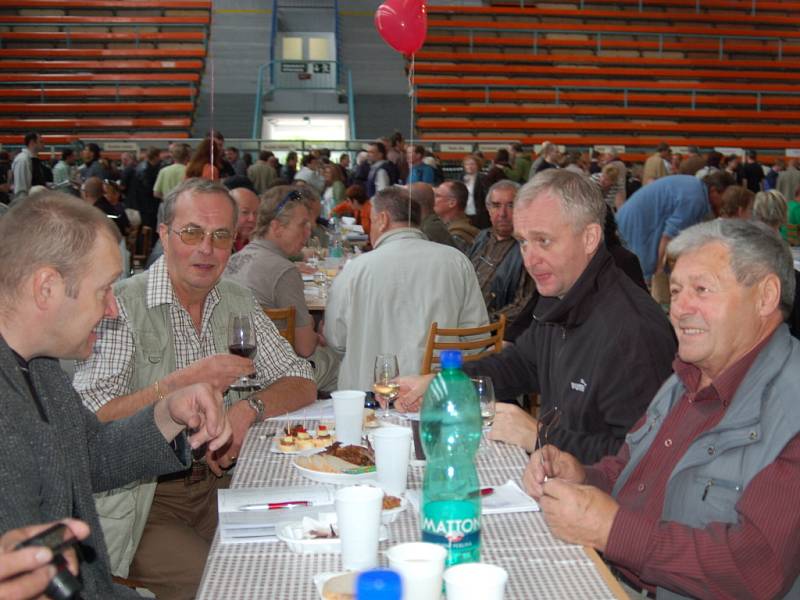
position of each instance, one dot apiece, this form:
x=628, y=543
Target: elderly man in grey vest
x=701, y=500
x=171, y=331
x=60, y=258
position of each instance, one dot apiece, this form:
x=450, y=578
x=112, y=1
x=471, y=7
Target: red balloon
x=403, y=24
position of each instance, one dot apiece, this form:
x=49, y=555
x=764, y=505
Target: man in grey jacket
x=701, y=500
x=60, y=258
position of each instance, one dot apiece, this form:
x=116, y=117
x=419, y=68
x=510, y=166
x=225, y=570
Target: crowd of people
x=651, y=308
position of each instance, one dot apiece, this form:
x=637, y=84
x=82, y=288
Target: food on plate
x=304, y=443
x=286, y=444
x=390, y=502
x=340, y=587
x=293, y=430
x=356, y=455
x=370, y=419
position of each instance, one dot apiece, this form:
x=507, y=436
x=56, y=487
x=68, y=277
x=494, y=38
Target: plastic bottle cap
x=379, y=584
x=451, y=359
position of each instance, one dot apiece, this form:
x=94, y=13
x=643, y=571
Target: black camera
x=64, y=584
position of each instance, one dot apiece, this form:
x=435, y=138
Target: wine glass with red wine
x=242, y=342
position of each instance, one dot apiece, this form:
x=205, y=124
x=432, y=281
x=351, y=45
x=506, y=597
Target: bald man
x=248, y=203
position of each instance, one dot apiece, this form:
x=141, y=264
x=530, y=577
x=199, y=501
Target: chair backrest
x=793, y=234
x=485, y=340
x=287, y=316
x=145, y=244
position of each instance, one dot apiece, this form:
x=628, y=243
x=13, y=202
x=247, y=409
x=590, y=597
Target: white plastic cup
x=475, y=580
x=358, y=515
x=348, y=412
x=421, y=566
x=392, y=453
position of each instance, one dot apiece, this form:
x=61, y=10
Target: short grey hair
x=770, y=207
x=397, y=202
x=49, y=229
x=196, y=185
x=580, y=198
x=503, y=184
x=755, y=252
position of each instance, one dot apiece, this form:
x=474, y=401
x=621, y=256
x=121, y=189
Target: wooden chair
x=286, y=315
x=793, y=234
x=146, y=235
x=490, y=342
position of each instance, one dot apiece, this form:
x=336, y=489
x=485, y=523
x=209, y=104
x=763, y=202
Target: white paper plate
x=333, y=478
x=287, y=532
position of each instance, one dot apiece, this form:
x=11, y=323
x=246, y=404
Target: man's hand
x=218, y=370
x=305, y=267
x=513, y=425
x=552, y=463
x=198, y=408
x=26, y=573
x=240, y=416
x=412, y=389
x=578, y=514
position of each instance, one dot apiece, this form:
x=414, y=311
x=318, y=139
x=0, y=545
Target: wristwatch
x=257, y=405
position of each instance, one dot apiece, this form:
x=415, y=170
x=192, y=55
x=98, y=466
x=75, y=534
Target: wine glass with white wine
x=485, y=390
x=385, y=389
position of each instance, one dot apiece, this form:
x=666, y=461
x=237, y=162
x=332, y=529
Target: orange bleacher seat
x=50, y=139
x=108, y=4
x=101, y=53
x=126, y=21
x=93, y=77
x=95, y=107
x=610, y=83
x=759, y=18
x=605, y=112
x=577, y=59
x=570, y=96
x=702, y=30
x=606, y=71
x=741, y=5
x=593, y=125
x=92, y=91
x=26, y=66
x=166, y=35
x=89, y=123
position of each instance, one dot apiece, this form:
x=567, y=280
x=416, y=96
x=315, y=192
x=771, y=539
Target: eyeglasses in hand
x=548, y=421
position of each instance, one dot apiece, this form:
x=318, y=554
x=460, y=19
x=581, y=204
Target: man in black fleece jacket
x=598, y=347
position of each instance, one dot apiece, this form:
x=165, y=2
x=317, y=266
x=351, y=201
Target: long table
x=539, y=566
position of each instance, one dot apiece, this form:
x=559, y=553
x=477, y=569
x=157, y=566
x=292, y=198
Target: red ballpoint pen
x=275, y=505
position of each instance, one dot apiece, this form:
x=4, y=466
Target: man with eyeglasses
x=496, y=257
x=172, y=331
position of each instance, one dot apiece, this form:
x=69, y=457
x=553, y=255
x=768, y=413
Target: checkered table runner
x=539, y=566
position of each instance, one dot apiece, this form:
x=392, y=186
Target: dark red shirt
x=758, y=557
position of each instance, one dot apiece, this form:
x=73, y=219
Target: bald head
x=92, y=190
x=248, y=202
x=422, y=194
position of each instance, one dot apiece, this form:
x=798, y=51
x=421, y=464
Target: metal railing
x=296, y=75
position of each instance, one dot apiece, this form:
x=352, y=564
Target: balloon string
x=412, y=98
x=211, y=117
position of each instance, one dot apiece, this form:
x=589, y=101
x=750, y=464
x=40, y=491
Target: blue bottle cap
x=379, y=584
x=451, y=359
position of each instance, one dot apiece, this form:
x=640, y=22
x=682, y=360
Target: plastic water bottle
x=450, y=427
x=335, y=247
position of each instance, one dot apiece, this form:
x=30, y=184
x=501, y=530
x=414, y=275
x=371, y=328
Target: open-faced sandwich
x=340, y=459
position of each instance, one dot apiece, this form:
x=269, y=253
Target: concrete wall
x=240, y=43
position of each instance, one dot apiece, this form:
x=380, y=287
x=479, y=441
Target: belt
x=195, y=474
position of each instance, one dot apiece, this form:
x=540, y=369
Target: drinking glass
x=242, y=342
x=385, y=389
x=485, y=390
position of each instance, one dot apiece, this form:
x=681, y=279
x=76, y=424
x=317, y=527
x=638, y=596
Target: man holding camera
x=60, y=258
